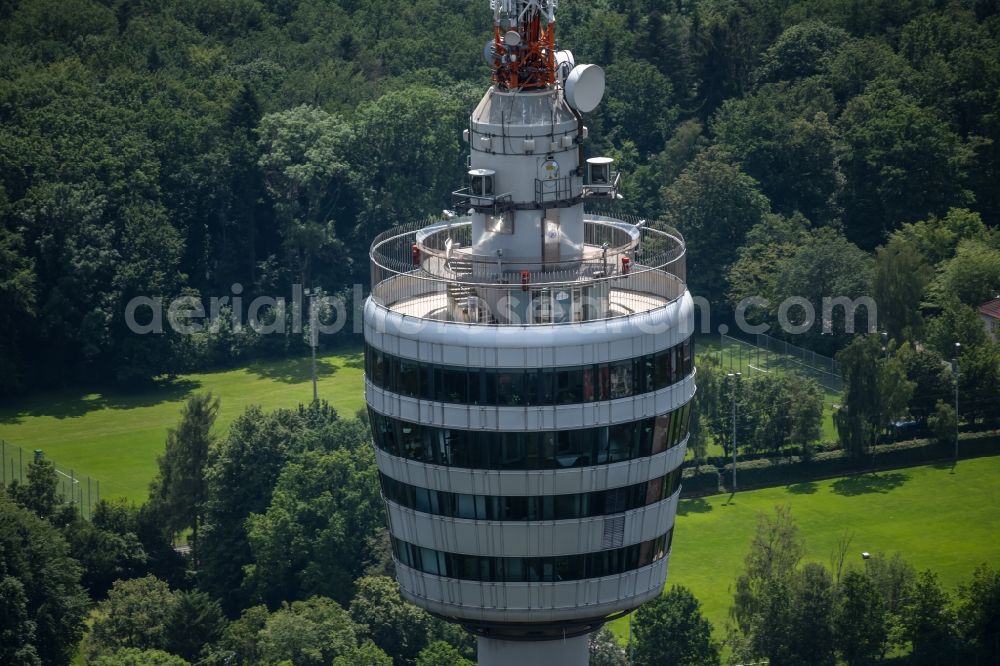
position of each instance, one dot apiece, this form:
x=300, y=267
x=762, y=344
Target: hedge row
x=762, y=473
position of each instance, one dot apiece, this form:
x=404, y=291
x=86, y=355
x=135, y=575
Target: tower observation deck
x=529, y=373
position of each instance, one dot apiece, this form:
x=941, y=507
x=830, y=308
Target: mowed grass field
x=938, y=518
x=115, y=437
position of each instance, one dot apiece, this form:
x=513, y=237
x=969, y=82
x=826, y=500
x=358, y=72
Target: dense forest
x=179, y=147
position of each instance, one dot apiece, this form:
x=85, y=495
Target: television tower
x=529, y=373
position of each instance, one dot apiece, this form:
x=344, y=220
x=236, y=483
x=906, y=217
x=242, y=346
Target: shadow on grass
x=865, y=484
x=355, y=361
x=693, y=505
x=292, y=370
x=73, y=403
x=804, y=488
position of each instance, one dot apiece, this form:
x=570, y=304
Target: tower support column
x=562, y=652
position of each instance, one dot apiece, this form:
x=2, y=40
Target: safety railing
x=556, y=191
x=624, y=269
x=495, y=204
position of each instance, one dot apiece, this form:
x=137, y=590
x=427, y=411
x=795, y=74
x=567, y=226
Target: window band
x=531, y=508
x=532, y=569
x=535, y=450
x=529, y=387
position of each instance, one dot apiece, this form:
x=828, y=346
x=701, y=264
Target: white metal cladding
x=530, y=419
x=532, y=602
x=561, y=345
x=534, y=482
x=524, y=538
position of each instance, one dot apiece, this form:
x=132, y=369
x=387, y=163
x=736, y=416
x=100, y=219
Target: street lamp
x=735, y=377
x=313, y=335
x=958, y=350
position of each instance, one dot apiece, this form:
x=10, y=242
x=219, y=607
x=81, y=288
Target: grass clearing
x=937, y=518
x=116, y=437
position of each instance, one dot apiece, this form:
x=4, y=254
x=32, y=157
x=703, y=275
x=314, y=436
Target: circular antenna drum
x=585, y=87
x=511, y=38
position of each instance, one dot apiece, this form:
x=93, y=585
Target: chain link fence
x=80, y=489
x=768, y=354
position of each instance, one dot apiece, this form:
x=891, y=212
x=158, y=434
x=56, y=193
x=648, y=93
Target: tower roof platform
x=433, y=272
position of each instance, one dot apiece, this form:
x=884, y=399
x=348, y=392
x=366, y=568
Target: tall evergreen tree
x=179, y=489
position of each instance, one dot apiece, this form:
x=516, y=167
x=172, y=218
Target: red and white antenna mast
x=523, y=52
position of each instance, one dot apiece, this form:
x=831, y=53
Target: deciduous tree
x=605, y=649
x=979, y=609
x=313, y=632
x=859, y=620
x=135, y=615
x=928, y=621
x=440, y=653
x=714, y=204
x=877, y=394
x=901, y=274
x=40, y=587
x=671, y=629
x=312, y=538
x=395, y=625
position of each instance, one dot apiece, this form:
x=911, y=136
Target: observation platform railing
x=633, y=268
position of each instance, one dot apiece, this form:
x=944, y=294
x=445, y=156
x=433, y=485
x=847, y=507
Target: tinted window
x=534, y=508
x=621, y=378
x=510, y=388
x=535, y=569
x=544, y=386
x=479, y=449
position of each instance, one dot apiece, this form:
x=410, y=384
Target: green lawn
x=115, y=437
x=936, y=518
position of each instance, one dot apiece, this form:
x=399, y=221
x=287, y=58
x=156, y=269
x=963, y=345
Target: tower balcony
x=434, y=273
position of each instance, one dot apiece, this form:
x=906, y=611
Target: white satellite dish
x=511, y=38
x=585, y=87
